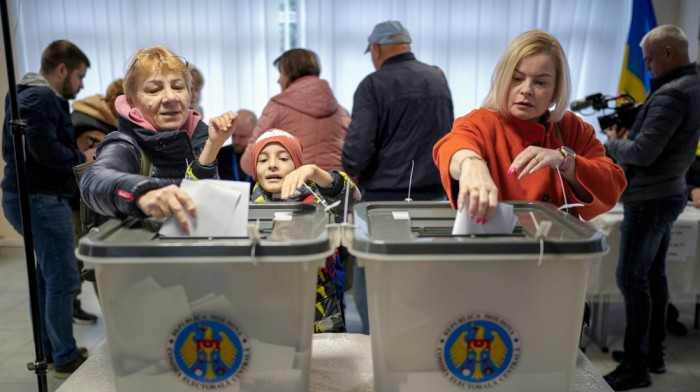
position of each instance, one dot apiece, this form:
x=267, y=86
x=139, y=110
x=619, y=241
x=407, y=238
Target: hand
x=613, y=133
x=222, y=127
x=623, y=133
x=164, y=202
x=695, y=195
x=296, y=179
x=90, y=154
x=532, y=159
x=476, y=183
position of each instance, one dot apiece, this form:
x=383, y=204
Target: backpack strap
x=146, y=164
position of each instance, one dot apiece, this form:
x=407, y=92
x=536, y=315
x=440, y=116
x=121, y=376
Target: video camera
x=623, y=115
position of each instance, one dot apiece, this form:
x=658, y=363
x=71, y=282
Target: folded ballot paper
x=140, y=358
x=502, y=222
x=222, y=210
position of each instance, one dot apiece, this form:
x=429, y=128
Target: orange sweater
x=500, y=140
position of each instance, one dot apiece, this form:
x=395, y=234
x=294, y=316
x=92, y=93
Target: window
x=289, y=17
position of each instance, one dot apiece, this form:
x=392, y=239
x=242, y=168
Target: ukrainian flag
x=635, y=79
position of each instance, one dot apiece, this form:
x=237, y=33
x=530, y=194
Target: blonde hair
x=145, y=60
x=197, y=78
x=527, y=44
x=115, y=89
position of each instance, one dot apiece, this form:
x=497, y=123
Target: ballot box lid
x=415, y=229
x=281, y=231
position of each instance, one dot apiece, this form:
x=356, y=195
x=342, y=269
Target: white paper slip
x=400, y=215
x=502, y=222
x=266, y=357
x=222, y=210
x=283, y=216
x=154, y=312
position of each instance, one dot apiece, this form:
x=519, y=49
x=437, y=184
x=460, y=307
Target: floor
x=682, y=352
x=16, y=344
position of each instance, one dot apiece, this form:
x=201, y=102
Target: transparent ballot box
x=468, y=312
x=232, y=314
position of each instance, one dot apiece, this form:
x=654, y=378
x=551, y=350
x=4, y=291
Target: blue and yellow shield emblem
x=208, y=350
x=478, y=349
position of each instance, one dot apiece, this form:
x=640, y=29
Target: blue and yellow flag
x=635, y=79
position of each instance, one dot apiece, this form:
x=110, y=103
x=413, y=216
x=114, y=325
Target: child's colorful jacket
x=331, y=278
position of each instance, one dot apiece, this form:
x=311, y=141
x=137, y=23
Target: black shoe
x=82, y=317
x=674, y=326
x=617, y=355
x=49, y=360
x=624, y=378
x=64, y=371
x=656, y=367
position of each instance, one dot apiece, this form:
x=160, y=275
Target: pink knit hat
x=287, y=140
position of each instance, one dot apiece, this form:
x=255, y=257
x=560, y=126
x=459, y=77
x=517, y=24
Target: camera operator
x=655, y=155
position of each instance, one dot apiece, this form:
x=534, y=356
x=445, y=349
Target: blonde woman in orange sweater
x=515, y=146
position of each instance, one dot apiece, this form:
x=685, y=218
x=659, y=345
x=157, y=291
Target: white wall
x=686, y=15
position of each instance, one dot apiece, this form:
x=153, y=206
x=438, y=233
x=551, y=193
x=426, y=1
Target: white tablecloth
x=344, y=358
x=682, y=265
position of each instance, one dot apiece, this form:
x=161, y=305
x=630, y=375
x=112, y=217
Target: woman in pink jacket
x=307, y=109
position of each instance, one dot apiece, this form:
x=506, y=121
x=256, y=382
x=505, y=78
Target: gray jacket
x=662, y=142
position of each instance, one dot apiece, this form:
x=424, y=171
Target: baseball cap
x=383, y=32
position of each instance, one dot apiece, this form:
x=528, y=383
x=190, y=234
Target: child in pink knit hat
x=282, y=176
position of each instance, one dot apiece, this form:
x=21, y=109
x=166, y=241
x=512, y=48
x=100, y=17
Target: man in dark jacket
x=655, y=155
x=399, y=113
x=51, y=154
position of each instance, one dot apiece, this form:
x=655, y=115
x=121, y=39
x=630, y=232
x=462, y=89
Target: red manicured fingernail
x=511, y=170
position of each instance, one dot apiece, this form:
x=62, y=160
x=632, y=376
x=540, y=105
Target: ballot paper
x=502, y=222
x=157, y=311
x=141, y=358
x=213, y=304
x=222, y=210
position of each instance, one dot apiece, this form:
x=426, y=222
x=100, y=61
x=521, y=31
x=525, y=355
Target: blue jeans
x=56, y=271
x=641, y=276
x=359, y=293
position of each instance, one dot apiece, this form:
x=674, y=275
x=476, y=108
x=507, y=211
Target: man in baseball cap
x=399, y=112
x=389, y=32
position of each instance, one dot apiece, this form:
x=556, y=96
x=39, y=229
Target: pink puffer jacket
x=308, y=110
